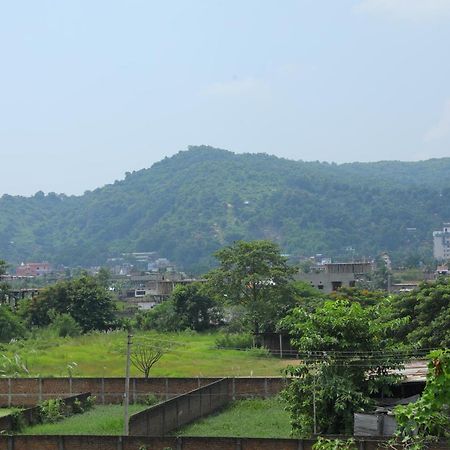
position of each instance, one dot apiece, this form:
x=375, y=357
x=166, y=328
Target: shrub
x=66, y=326
x=52, y=410
x=238, y=341
x=150, y=400
x=260, y=352
x=10, y=325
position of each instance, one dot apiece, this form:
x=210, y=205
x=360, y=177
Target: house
x=331, y=277
x=32, y=269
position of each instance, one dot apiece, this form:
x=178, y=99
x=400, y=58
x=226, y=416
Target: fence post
x=61, y=443
x=9, y=393
x=40, y=389
x=103, y=390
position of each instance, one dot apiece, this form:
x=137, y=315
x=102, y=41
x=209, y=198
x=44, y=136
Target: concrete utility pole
x=126, y=396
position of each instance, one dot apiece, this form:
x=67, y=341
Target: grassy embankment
x=102, y=419
x=103, y=354
x=244, y=418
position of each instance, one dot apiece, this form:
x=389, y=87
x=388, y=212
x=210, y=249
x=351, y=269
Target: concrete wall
x=161, y=419
x=150, y=443
x=31, y=391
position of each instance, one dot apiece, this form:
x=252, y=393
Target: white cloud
x=442, y=128
x=416, y=10
x=245, y=87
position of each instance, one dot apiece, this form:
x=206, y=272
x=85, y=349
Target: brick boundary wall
x=31, y=416
x=165, y=443
x=31, y=391
x=161, y=419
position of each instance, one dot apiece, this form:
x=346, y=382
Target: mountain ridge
x=186, y=206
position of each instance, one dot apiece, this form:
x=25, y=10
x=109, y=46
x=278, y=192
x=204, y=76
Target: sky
x=91, y=89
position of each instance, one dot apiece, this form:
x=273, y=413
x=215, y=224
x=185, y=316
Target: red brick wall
x=30, y=391
x=187, y=443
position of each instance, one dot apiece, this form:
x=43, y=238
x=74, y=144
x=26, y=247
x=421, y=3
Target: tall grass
x=103, y=354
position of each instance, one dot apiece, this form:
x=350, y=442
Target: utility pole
x=126, y=396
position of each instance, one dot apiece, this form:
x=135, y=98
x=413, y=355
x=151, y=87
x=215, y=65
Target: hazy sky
x=92, y=89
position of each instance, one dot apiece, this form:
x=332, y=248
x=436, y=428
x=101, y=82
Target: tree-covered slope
x=187, y=206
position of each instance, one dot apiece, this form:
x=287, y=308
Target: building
x=441, y=243
x=33, y=269
x=331, y=277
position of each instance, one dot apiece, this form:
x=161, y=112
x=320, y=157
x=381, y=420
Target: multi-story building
x=331, y=277
x=441, y=243
x=33, y=269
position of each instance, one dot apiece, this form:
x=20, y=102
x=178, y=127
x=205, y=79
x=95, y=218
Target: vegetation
x=145, y=355
x=256, y=276
x=103, y=354
x=244, y=418
x=427, y=419
x=428, y=309
x=81, y=301
x=188, y=206
x=188, y=308
x=346, y=357
x=100, y=420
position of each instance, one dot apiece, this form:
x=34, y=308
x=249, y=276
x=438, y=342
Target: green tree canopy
x=255, y=275
x=193, y=308
x=346, y=356
x=84, y=298
x=428, y=309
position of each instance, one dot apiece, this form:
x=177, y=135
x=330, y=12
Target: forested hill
x=187, y=206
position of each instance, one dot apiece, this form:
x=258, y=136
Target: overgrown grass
x=244, y=418
x=6, y=411
x=103, y=354
x=102, y=419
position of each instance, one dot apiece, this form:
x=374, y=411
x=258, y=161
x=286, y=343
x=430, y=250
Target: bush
x=52, y=410
x=66, y=326
x=10, y=325
x=237, y=341
x=259, y=352
x=150, y=400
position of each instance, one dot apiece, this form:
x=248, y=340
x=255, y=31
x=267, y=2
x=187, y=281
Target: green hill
x=187, y=206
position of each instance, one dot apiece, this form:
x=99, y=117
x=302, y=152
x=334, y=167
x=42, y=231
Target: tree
x=346, y=355
x=145, y=355
x=10, y=325
x=84, y=298
x=428, y=309
x=193, y=308
x=255, y=275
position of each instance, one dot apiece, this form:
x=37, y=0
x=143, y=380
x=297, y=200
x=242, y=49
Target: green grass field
x=244, y=418
x=6, y=411
x=102, y=419
x=103, y=354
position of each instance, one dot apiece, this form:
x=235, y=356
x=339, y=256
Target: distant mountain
x=191, y=204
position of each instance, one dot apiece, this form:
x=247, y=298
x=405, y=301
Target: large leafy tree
x=428, y=310
x=256, y=276
x=346, y=356
x=194, y=309
x=84, y=298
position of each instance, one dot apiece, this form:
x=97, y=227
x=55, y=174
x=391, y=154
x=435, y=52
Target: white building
x=441, y=243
